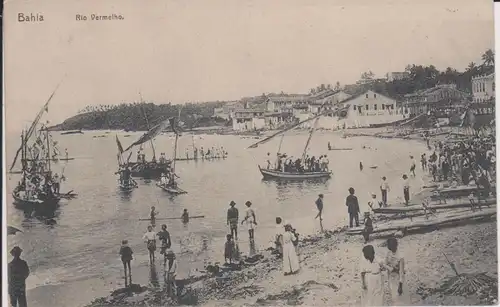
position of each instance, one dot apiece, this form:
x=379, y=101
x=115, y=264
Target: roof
x=289, y=98
x=364, y=93
x=431, y=90
x=252, y=110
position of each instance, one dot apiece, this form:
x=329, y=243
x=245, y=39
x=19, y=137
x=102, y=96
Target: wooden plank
x=462, y=204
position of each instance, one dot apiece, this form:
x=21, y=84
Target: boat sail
x=143, y=168
x=37, y=189
x=268, y=173
x=169, y=185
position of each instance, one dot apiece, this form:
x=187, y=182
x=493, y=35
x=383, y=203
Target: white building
x=227, y=110
x=369, y=108
x=326, y=100
x=483, y=88
x=397, y=75
x=285, y=103
x=249, y=119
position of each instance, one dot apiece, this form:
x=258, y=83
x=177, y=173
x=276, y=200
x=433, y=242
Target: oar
x=175, y=218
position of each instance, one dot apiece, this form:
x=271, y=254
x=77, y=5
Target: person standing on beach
x=250, y=219
x=371, y=278
x=360, y=166
x=406, y=189
x=395, y=266
x=18, y=271
x=423, y=162
x=232, y=219
x=126, y=255
x=384, y=188
x=290, y=259
x=152, y=215
x=352, y=208
x=278, y=235
x=150, y=240
x=319, y=205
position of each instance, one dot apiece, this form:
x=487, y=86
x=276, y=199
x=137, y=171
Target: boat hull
x=38, y=206
x=148, y=171
x=171, y=190
x=200, y=159
x=272, y=174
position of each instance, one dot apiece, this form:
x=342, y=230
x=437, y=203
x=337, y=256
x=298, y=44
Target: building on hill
x=441, y=98
x=326, y=100
x=364, y=110
x=227, y=110
x=249, y=119
x=284, y=103
x=397, y=75
x=483, y=88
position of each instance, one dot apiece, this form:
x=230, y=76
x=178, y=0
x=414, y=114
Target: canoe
x=339, y=148
x=459, y=191
x=462, y=204
x=431, y=223
x=172, y=190
x=272, y=174
x=72, y=132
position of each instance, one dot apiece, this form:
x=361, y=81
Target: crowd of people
x=289, y=164
x=210, y=153
x=40, y=186
x=471, y=162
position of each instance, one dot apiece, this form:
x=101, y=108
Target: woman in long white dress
x=371, y=278
x=250, y=220
x=290, y=259
x=396, y=274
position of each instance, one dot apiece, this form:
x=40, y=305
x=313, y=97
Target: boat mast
x=309, y=139
x=281, y=142
x=48, y=146
x=175, y=156
x=147, y=125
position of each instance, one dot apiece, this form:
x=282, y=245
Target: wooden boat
x=200, y=159
x=171, y=189
x=430, y=224
x=272, y=174
x=72, y=132
x=461, y=204
x=459, y=191
x=49, y=204
x=339, y=148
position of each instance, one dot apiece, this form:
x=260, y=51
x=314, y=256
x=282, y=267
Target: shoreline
x=260, y=282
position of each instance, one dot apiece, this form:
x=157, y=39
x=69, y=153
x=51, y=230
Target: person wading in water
x=18, y=271
x=153, y=215
x=185, y=216
x=250, y=220
x=319, y=205
x=150, y=239
x=232, y=219
x=166, y=243
x=126, y=255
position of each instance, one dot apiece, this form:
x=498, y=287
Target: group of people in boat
x=126, y=176
x=38, y=186
x=289, y=164
x=168, y=178
x=141, y=158
x=210, y=153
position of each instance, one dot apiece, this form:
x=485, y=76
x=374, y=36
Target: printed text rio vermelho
x=80, y=17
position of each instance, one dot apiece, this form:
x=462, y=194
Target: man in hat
x=384, y=188
x=18, y=271
x=352, y=208
x=232, y=219
x=170, y=271
x=319, y=205
x=250, y=219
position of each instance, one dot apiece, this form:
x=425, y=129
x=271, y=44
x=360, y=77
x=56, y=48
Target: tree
x=472, y=67
x=337, y=86
x=488, y=57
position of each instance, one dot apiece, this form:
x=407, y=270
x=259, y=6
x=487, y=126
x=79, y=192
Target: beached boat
x=408, y=209
x=339, y=148
x=272, y=174
x=460, y=191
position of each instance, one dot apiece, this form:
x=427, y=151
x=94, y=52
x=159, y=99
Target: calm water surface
x=77, y=259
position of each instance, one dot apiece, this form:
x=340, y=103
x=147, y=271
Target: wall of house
x=249, y=124
x=483, y=88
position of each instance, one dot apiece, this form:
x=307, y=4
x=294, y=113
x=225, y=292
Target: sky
x=198, y=50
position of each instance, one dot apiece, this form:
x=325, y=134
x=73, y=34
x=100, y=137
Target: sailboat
x=279, y=174
x=147, y=169
x=171, y=186
x=35, y=190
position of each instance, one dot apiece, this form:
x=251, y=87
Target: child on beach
x=368, y=227
x=406, y=189
x=170, y=272
x=394, y=263
x=278, y=235
x=229, y=249
x=153, y=215
x=371, y=278
x=413, y=166
x=126, y=255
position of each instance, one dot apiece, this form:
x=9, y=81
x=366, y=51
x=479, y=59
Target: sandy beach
x=329, y=274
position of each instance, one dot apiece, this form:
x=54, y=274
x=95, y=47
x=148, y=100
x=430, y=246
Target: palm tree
x=488, y=57
x=471, y=67
x=337, y=86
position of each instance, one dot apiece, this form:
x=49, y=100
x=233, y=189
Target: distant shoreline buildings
x=366, y=109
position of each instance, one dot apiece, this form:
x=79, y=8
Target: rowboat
x=339, y=148
x=272, y=174
x=72, y=132
x=48, y=204
x=171, y=189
